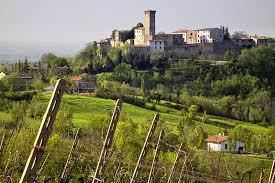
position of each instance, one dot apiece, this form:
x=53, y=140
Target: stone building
x=144, y=34
x=210, y=35
x=183, y=33
x=243, y=42
x=139, y=36
x=170, y=40
x=156, y=45
x=260, y=40
x=103, y=46
x=191, y=37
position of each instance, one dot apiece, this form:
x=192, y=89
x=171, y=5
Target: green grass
x=5, y=116
x=85, y=108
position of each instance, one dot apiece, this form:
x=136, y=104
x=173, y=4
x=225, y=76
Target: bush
x=18, y=96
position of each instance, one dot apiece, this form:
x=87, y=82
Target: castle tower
x=149, y=22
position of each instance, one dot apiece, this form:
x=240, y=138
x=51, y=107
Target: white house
x=156, y=45
x=221, y=143
x=210, y=35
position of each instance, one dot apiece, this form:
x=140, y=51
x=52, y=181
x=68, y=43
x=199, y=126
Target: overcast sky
x=87, y=20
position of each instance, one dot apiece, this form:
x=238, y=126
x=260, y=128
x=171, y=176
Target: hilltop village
x=210, y=42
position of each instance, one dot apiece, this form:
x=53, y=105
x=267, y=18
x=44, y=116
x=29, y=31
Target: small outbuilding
x=83, y=85
x=221, y=143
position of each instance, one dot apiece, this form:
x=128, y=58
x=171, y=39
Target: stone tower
x=149, y=23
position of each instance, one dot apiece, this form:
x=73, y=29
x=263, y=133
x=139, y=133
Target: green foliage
x=137, y=26
x=47, y=58
x=38, y=85
x=228, y=56
x=259, y=61
x=63, y=124
x=237, y=85
x=18, y=96
x=11, y=81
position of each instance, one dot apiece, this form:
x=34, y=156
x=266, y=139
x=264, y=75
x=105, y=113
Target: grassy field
x=85, y=108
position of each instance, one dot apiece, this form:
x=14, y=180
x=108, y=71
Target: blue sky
x=87, y=20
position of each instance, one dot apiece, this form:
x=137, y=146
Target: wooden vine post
x=107, y=143
x=272, y=173
x=145, y=147
x=173, y=169
x=155, y=159
x=44, y=133
x=71, y=160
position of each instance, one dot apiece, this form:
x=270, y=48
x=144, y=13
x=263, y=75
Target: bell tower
x=149, y=22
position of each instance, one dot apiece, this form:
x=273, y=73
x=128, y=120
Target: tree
x=38, y=85
x=228, y=56
x=11, y=81
x=47, y=58
x=137, y=26
x=26, y=67
x=226, y=34
x=259, y=61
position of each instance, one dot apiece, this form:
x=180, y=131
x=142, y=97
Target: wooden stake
x=2, y=143
x=272, y=173
x=155, y=160
x=261, y=179
x=108, y=142
x=43, y=134
x=184, y=167
x=145, y=147
x=71, y=160
x=173, y=169
x=42, y=166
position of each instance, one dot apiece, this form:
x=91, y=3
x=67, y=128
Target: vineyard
x=117, y=147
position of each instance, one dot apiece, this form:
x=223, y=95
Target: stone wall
x=170, y=40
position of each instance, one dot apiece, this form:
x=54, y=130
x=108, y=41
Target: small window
x=191, y=34
x=160, y=47
x=155, y=48
x=225, y=146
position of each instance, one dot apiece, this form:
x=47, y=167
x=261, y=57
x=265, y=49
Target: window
x=191, y=34
x=160, y=47
x=225, y=146
x=155, y=48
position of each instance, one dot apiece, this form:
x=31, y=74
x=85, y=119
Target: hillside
x=92, y=115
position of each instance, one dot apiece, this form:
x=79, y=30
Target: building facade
x=156, y=45
x=210, y=35
x=221, y=143
x=243, y=42
x=260, y=40
x=183, y=33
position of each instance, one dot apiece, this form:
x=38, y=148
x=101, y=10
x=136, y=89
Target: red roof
x=180, y=31
x=217, y=139
x=76, y=78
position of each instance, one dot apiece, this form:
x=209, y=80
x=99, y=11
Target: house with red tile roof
x=82, y=85
x=222, y=142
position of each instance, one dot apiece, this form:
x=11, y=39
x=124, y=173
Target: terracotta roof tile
x=217, y=138
x=76, y=78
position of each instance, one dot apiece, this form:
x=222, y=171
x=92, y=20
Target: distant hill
x=11, y=51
